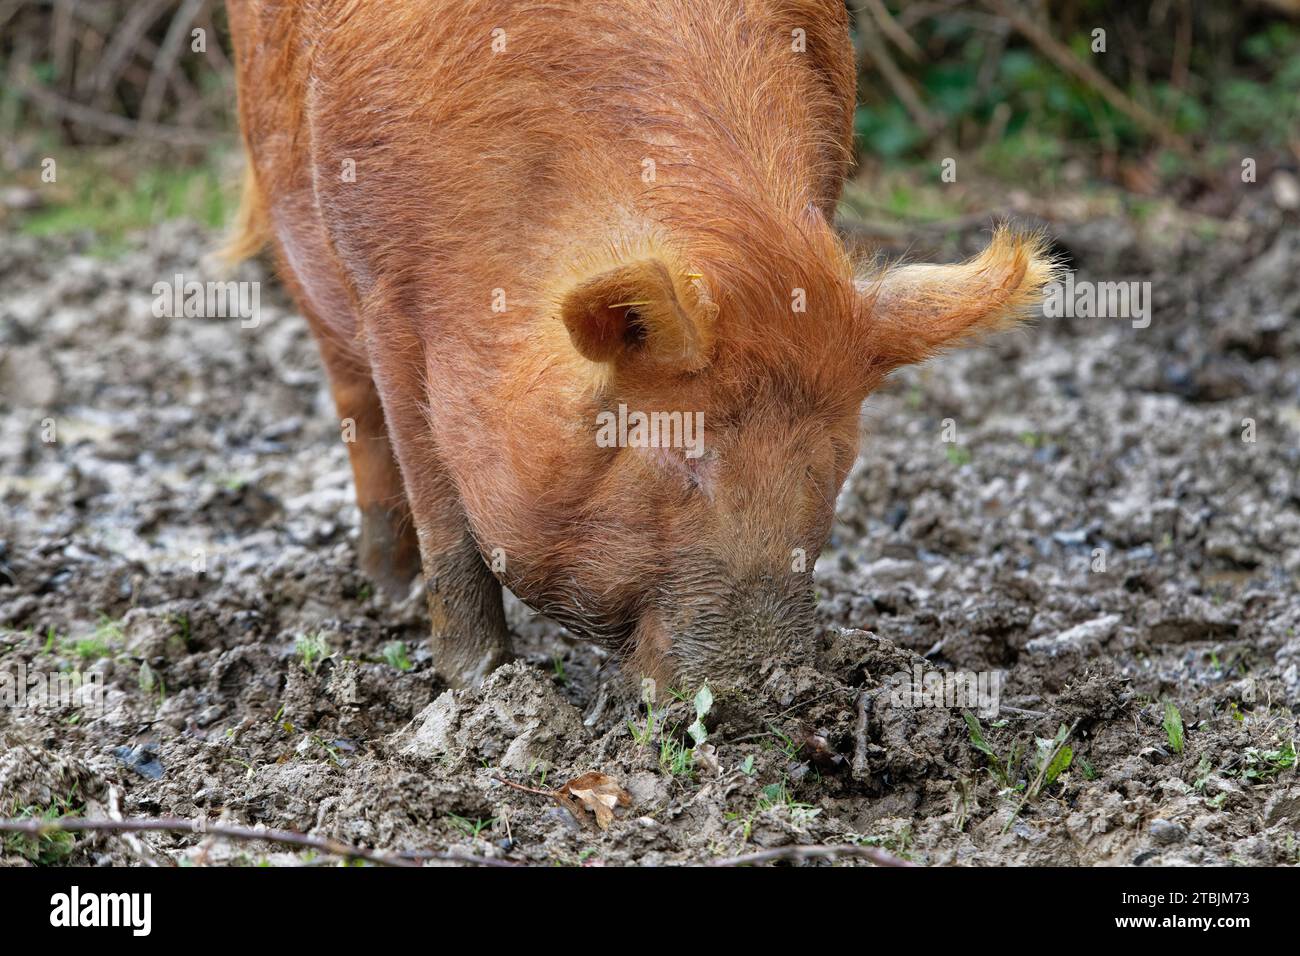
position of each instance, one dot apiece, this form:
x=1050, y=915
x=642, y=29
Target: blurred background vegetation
x=1163, y=104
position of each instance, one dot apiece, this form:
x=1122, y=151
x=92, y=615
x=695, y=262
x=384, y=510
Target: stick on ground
x=290, y=837
x=874, y=854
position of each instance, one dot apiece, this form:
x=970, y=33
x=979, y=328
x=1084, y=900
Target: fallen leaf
x=818, y=747
x=706, y=756
x=598, y=793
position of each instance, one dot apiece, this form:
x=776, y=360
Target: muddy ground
x=1099, y=532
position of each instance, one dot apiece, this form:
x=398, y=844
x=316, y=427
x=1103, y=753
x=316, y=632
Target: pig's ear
x=912, y=312
x=641, y=309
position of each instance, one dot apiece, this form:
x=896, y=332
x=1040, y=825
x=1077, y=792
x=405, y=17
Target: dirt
x=1099, y=534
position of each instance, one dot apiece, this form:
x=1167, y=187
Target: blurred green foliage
x=112, y=199
x=996, y=94
x=1267, y=109
x=1221, y=77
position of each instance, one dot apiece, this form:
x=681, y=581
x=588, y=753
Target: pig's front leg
x=468, y=636
x=469, y=639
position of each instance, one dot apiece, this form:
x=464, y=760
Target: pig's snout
x=726, y=635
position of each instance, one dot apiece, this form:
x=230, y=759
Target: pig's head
x=693, y=553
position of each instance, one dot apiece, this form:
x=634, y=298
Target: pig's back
x=490, y=138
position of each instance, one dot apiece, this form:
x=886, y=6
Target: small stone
x=1286, y=190
x=28, y=378
x=142, y=759
x=1283, y=807
x=1166, y=832
x=21, y=199
x=1082, y=637
x=564, y=817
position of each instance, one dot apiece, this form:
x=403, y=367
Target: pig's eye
x=698, y=469
x=634, y=332
x=693, y=472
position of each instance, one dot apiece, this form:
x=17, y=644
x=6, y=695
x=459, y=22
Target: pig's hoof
x=388, y=552
x=466, y=667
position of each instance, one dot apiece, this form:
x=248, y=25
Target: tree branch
x=874, y=854
x=1060, y=54
x=198, y=827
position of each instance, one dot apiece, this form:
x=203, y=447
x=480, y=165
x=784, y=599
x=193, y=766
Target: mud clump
x=517, y=721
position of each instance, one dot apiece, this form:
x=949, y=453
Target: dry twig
x=889, y=26
x=874, y=47
x=164, y=64
x=874, y=854
x=110, y=122
x=1060, y=54
x=261, y=834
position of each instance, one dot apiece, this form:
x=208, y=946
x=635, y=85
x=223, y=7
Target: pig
x=509, y=224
